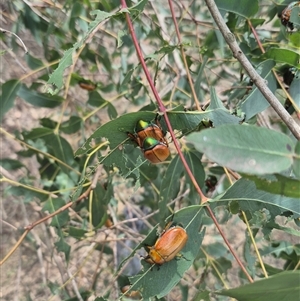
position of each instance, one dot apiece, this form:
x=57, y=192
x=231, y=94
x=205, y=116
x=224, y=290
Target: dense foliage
x=91, y=201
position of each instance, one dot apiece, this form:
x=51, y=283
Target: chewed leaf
x=56, y=77
x=158, y=282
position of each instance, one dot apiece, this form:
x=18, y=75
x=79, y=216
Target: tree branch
x=256, y=78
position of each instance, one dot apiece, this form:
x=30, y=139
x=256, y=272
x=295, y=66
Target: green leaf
x=28, y=193
x=96, y=100
x=278, y=249
x=222, y=258
x=39, y=99
x=33, y=62
x=99, y=207
x=294, y=89
x=62, y=150
x=170, y=185
x=112, y=112
x=77, y=232
x=244, y=8
x=296, y=162
x=62, y=246
x=295, y=14
x=51, y=206
x=116, y=131
x=56, y=77
x=280, y=287
x=202, y=295
x=245, y=148
x=272, y=225
x=281, y=55
x=153, y=282
x=57, y=145
x=138, y=7
x=255, y=102
x=198, y=88
x=72, y=125
x=252, y=199
x=295, y=39
x=196, y=167
x=215, y=102
x=277, y=185
x=9, y=93
x=190, y=120
x=10, y=164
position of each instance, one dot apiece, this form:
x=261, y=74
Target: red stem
x=161, y=106
x=164, y=111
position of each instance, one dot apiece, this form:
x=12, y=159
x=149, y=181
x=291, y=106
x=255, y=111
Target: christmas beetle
x=286, y=14
x=144, y=129
x=168, y=245
x=155, y=151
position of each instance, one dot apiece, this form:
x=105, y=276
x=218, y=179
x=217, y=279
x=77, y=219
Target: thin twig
x=29, y=227
x=256, y=78
x=297, y=109
x=10, y=32
x=184, y=57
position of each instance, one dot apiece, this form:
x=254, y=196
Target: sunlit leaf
x=280, y=287
x=163, y=280
x=281, y=55
x=255, y=102
x=244, y=148
x=277, y=184
x=250, y=198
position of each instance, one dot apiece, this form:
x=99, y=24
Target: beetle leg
x=131, y=136
x=157, y=121
x=179, y=256
x=134, y=138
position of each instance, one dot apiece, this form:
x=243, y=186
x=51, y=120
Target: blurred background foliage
x=66, y=108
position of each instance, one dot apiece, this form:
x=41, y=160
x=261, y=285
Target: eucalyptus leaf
x=280, y=287
x=153, y=282
x=244, y=148
x=9, y=92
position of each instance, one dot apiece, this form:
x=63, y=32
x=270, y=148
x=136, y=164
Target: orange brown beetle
x=286, y=14
x=155, y=151
x=150, y=137
x=87, y=86
x=144, y=129
x=168, y=245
